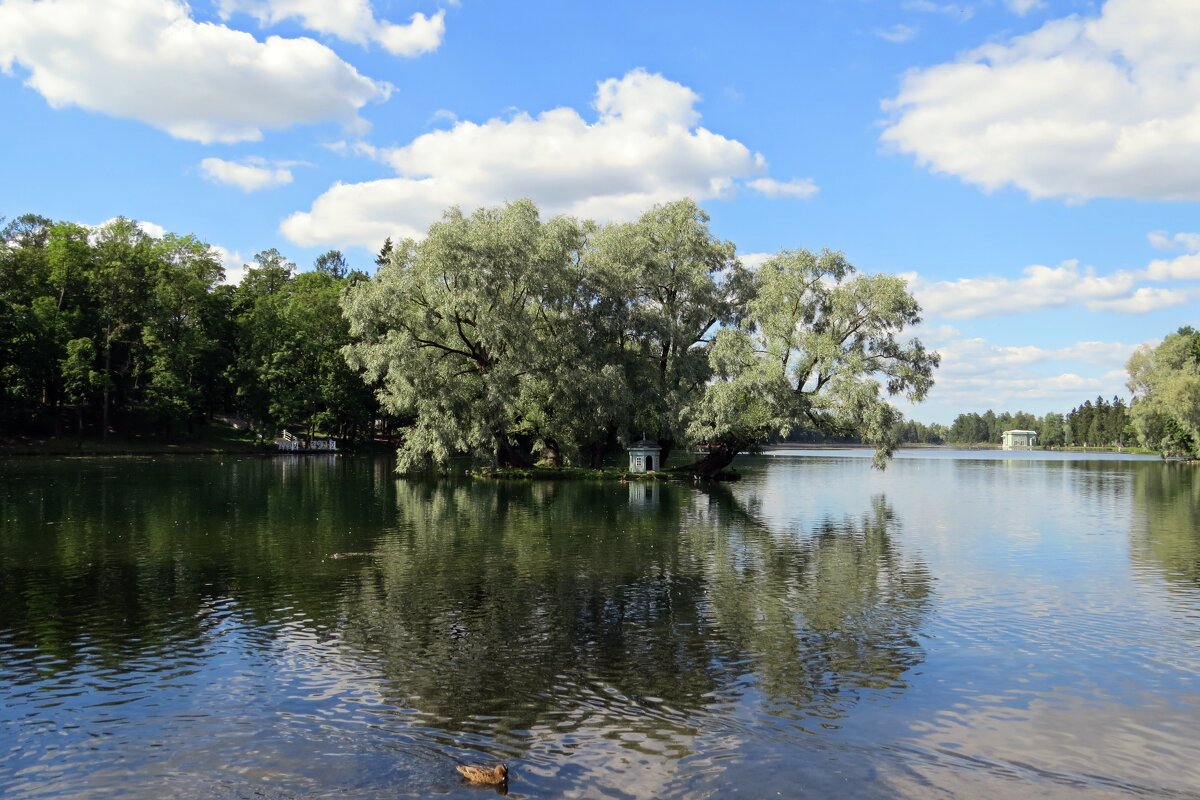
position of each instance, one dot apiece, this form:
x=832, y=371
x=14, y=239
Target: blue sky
x=1032, y=167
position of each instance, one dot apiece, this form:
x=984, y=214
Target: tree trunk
x=715, y=460
x=550, y=455
x=508, y=454
x=667, y=446
x=595, y=451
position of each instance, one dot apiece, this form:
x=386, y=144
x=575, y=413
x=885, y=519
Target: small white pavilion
x=1019, y=440
x=645, y=456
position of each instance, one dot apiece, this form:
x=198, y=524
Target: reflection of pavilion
x=643, y=494
x=293, y=464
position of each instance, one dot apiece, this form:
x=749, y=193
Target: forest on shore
x=113, y=330
x=1099, y=423
x=504, y=337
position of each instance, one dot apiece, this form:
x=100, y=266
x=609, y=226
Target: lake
x=963, y=624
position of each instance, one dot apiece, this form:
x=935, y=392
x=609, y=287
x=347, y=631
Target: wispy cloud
x=897, y=34
x=249, y=175
x=1162, y=240
x=800, y=188
x=351, y=20
x=959, y=10
x=1023, y=7
x=1067, y=284
x=977, y=373
x=440, y=117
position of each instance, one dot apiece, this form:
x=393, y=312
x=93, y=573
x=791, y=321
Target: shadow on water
x=183, y=628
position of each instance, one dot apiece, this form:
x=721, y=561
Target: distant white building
x=1019, y=440
x=289, y=443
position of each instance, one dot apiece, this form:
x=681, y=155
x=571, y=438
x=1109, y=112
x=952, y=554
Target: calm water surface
x=961, y=625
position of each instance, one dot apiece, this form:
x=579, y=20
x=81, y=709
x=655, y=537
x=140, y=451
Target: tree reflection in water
x=1166, y=537
x=194, y=612
x=516, y=606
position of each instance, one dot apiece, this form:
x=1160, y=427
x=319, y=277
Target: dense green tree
x=289, y=334
x=123, y=270
x=258, y=306
x=510, y=339
x=913, y=432
x=385, y=253
x=819, y=347
x=969, y=428
x=1098, y=424
x=669, y=282
x=1165, y=382
x=1024, y=421
x=134, y=332
x=81, y=381
x=176, y=334
x=1052, y=430
x=456, y=327
x=23, y=277
x=333, y=264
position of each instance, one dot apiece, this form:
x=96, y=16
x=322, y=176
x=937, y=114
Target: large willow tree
x=515, y=340
x=819, y=347
x=476, y=333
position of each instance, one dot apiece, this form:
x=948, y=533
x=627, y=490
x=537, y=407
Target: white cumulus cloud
x=645, y=146
x=1083, y=107
x=351, y=20
x=249, y=175
x=148, y=60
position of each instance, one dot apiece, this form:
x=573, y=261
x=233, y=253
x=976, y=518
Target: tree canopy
x=1165, y=382
x=514, y=339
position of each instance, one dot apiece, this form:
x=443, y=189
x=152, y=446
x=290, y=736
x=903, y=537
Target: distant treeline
x=1092, y=424
x=112, y=329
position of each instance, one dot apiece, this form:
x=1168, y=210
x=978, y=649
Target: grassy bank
x=214, y=439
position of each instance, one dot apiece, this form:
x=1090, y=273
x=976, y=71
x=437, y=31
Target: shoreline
x=214, y=442
x=228, y=441
x=586, y=474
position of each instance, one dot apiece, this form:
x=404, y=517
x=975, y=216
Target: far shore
x=223, y=440
x=956, y=446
